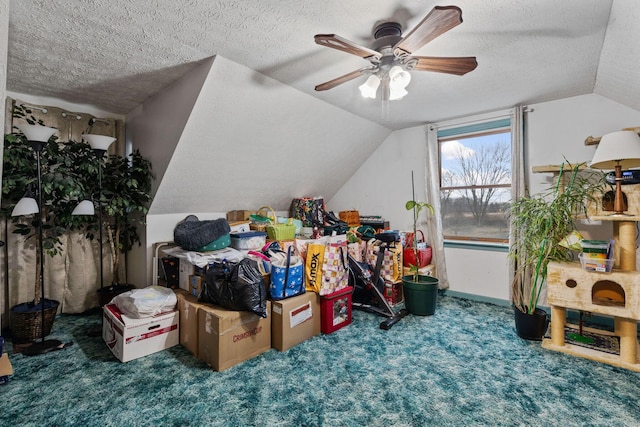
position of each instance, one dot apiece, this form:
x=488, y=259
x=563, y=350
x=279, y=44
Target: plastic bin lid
x=245, y=234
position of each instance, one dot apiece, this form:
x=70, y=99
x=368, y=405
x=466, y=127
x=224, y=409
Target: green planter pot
x=420, y=297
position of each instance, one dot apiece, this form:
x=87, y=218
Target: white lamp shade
x=85, y=207
x=369, y=88
x=25, y=206
x=622, y=147
x=36, y=132
x=98, y=142
x=396, y=93
x=398, y=78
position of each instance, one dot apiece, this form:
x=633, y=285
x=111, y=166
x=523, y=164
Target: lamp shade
x=98, y=142
x=36, y=132
x=369, y=88
x=398, y=77
x=85, y=207
x=617, y=148
x=25, y=206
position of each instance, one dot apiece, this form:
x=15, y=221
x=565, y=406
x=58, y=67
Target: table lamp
x=617, y=150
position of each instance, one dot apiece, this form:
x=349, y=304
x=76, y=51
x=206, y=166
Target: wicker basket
x=350, y=217
x=264, y=211
x=281, y=231
x=26, y=320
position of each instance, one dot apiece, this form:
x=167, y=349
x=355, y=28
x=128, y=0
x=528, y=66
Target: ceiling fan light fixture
x=399, y=78
x=370, y=87
x=396, y=93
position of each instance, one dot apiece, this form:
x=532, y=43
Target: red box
x=335, y=310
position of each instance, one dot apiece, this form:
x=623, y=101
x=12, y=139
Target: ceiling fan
x=390, y=55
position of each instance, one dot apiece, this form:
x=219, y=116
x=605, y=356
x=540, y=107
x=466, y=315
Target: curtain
x=519, y=175
x=432, y=196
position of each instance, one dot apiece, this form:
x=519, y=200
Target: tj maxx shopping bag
x=327, y=265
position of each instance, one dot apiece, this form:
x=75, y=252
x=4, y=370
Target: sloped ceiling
x=117, y=54
x=256, y=132
x=244, y=146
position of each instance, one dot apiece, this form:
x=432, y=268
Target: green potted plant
x=126, y=196
x=60, y=188
x=420, y=291
x=543, y=222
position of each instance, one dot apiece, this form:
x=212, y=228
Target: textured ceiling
x=116, y=54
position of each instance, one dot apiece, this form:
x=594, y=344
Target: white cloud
x=452, y=150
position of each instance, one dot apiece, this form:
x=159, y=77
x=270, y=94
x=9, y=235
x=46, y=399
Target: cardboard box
x=240, y=215
x=186, y=271
x=129, y=338
x=294, y=320
x=227, y=337
x=6, y=370
x=188, y=307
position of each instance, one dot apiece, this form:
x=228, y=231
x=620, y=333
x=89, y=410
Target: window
x=475, y=181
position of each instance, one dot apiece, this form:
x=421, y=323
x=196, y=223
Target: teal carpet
x=465, y=366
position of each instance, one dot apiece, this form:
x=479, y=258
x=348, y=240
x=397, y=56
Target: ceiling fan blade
x=459, y=65
x=342, y=79
x=337, y=42
x=440, y=20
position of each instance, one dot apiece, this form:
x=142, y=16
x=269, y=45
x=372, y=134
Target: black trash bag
x=192, y=234
x=235, y=286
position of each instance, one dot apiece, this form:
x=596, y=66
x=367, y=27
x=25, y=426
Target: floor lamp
x=37, y=136
x=99, y=144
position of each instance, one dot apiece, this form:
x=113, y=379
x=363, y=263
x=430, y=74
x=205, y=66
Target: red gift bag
x=424, y=253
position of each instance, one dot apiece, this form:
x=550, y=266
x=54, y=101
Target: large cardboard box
x=130, y=338
x=188, y=306
x=227, y=337
x=294, y=320
x=6, y=370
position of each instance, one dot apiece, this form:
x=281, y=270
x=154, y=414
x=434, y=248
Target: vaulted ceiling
x=115, y=55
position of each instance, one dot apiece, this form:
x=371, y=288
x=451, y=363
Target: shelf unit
x=614, y=294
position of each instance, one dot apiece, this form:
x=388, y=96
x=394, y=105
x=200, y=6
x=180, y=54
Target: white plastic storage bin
x=248, y=241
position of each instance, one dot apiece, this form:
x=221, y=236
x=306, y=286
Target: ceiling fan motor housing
x=386, y=35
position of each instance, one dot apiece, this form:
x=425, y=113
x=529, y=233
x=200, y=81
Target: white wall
x=382, y=185
x=555, y=130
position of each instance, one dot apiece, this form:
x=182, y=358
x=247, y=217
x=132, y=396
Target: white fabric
x=147, y=302
x=518, y=171
x=432, y=196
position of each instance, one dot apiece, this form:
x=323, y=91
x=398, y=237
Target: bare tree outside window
x=475, y=186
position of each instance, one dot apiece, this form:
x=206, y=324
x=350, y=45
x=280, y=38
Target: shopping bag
x=391, y=270
x=335, y=273
x=424, y=252
x=313, y=264
x=309, y=210
x=287, y=275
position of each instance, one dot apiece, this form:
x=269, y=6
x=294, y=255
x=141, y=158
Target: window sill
x=479, y=246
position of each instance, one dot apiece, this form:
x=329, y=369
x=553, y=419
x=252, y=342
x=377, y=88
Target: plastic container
x=248, y=241
x=595, y=246
x=335, y=310
x=595, y=263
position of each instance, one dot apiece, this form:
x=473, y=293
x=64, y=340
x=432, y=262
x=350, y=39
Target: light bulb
x=369, y=88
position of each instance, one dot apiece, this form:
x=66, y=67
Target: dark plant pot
x=531, y=326
x=108, y=293
x=420, y=297
x=26, y=320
